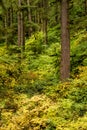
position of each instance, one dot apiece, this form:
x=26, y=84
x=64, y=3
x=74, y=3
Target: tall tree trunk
x=21, y=34
x=7, y=27
x=29, y=18
x=22, y=31
x=19, y=24
x=8, y=17
x=6, y=34
x=39, y=16
x=45, y=19
x=65, y=41
x=11, y=15
x=85, y=4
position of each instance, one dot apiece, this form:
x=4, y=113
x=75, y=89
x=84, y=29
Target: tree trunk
x=65, y=42
x=39, y=16
x=19, y=24
x=85, y=4
x=29, y=18
x=22, y=32
x=11, y=16
x=21, y=36
x=45, y=19
x=7, y=27
x=6, y=34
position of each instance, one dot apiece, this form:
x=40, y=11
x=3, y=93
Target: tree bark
x=65, y=41
x=29, y=18
x=21, y=34
x=6, y=34
x=45, y=19
x=11, y=16
x=19, y=24
x=85, y=4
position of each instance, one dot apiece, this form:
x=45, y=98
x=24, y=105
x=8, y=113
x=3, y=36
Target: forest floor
x=31, y=95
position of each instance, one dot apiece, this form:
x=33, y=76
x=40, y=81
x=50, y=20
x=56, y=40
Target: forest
x=43, y=64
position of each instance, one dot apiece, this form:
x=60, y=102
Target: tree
x=7, y=21
x=21, y=37
x=19, y=25
x=45, y=19
x=29, y=18
x=2, y=4
x=85, y=4
x=65, y=41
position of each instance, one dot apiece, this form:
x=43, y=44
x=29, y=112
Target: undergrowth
x=31, y=95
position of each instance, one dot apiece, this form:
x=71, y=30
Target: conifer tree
x=65, y=41
x=21, y=37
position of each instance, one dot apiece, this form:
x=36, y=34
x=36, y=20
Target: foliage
x=35, y=43
x=78, y=51
x=33, y=98
x=63, y=107
x=31, y=94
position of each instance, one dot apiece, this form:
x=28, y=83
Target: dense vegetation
x=32, y=97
